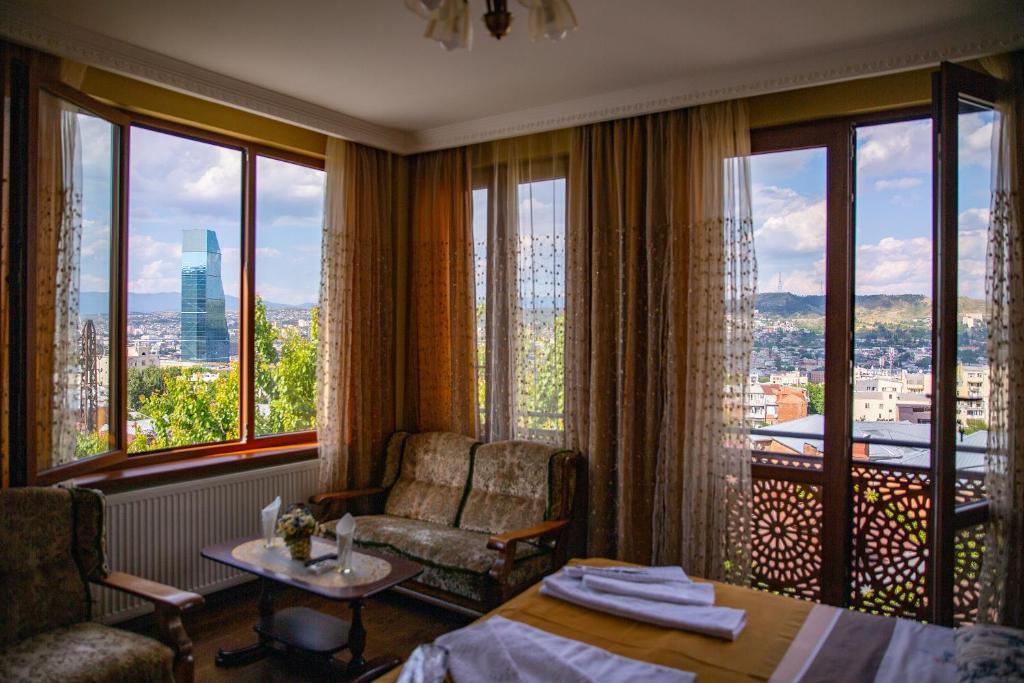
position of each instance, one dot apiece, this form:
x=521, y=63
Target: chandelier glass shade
x=450, y=23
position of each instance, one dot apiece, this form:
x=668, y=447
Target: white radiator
x=157, y=533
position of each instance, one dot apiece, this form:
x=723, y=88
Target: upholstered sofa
x=53, y=548
x=484, y=520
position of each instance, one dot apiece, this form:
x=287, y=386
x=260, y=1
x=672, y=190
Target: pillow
x=986, y=653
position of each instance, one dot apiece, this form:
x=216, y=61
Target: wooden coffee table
x=302, y=631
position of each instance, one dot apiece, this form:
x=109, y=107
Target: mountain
x=870, y=308
x=97, y=303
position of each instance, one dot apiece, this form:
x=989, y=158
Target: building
x=790, y=402
x=972, y=390
x=204, y=329
x=141, y=356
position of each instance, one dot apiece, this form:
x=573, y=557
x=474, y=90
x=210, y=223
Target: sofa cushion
x=87, y=653
x=432, y=477
x=41, y=587
x=513, y=486
x=987, y=653
x=393, y=458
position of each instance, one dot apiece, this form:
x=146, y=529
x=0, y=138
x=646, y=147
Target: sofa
x=485, y=520
x=53, y=549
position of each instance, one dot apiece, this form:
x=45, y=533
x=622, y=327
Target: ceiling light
x=450, y=23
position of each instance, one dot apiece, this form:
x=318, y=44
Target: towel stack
x=664, y=596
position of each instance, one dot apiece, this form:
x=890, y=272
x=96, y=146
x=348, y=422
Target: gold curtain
x=646, y=316
x=1002, y=593
x=355, y=373
x=441, y=351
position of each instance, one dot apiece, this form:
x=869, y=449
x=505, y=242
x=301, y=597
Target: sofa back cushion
x=432, y=477
x=515, y=485
x=41, y=586
x=393, y=459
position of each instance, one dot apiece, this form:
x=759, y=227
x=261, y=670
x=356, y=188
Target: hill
x=870, y=308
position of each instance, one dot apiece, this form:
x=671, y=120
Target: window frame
x=248, y=443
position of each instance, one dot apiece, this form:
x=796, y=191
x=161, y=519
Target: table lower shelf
x=305, y=629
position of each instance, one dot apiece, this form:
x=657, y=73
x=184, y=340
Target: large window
x=196, y=323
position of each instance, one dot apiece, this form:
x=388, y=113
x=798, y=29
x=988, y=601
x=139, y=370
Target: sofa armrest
x=508, y=540
x=170, y=602
x=349, y=494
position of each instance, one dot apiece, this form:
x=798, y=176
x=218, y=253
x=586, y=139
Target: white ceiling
x=366, y=58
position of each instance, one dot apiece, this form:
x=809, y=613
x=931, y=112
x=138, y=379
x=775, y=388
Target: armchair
x=54, y=545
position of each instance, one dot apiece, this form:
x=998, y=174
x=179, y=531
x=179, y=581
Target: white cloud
x=904, y=183
x=787, y=222
x=975, y=133
x=973, y=219
x=894, y=149
x=219, y=180
x=280, y=179
x=895, y=266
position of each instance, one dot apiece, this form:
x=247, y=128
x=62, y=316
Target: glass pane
x=480, y=221
x=289, y=220
x=540, y=347
x=88, y=146
x=184, y=277
x=787, y=381
x=893, y=290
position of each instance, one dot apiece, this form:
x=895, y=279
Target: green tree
x=146, y=382
x=293, y=406
x=90, y=443
x=816, y=398
x=194, y=409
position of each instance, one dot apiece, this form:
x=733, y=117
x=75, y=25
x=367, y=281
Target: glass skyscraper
x=204, y=329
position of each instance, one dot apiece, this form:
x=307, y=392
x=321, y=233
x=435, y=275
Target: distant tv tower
x=780, y=282
x=89, y=388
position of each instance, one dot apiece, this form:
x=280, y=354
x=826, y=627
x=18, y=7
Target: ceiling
x=366, y=59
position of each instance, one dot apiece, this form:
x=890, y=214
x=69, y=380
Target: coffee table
x=305, y=632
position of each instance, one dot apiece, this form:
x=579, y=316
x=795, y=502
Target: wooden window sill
x=137, y=475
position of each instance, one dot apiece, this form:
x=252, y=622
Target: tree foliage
x=816, y=398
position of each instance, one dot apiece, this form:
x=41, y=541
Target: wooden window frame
x=109, y=465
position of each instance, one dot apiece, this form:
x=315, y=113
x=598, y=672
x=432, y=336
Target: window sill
x=137, y=475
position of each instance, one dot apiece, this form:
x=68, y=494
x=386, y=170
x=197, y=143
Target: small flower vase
x=299, y=547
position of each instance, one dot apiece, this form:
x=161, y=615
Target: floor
x=394, y=625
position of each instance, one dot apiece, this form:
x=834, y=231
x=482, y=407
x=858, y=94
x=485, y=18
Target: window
x=521, y=335
x=208, y=355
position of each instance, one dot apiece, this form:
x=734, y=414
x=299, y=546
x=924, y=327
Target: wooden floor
x=394, y=625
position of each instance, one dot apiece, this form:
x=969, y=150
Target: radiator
x=157, y=532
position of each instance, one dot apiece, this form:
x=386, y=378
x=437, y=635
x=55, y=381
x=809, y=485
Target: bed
x=785, y=639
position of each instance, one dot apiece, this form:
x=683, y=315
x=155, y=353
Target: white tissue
x=344, y=531
x=268, y=520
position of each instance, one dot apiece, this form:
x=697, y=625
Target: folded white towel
x=500, y=649
x=678, y=592
x=719, y=622
x=635, y=574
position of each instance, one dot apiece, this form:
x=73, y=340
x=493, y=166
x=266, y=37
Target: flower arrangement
x=296, y=526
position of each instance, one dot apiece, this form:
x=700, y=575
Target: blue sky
x=893, y=211
x=176, y=184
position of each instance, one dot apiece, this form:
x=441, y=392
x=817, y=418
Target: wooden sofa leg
x=173, y=634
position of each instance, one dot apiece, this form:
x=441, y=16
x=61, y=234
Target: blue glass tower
x=204, y=329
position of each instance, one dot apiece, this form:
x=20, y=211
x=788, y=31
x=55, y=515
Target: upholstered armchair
x=53, y=549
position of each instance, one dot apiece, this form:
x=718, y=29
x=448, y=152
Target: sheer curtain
x=1002, y=595
x=440, y=387
x=660, y=314
x=355, y=365
x=519, y=210
x=59, y=236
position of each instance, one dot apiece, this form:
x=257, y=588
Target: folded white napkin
x=268, y=520
x=500, y=649
x=718, y=622
x=635, y=574
x=678, y=592
x=344, y=531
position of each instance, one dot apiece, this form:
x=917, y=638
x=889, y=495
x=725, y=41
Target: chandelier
x=451, y=26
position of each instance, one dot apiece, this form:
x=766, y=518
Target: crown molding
x=49, y=34
x=992, y=35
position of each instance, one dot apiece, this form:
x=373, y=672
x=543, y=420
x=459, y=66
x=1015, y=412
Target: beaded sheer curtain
x=519, y=211
x=356, y=355
x=1002, y=595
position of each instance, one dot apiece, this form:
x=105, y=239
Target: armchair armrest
x=334, y=496
x=509, y=539
x=169, y=603
x=157, y=593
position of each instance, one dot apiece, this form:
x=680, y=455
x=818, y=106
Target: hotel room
x=512, y=340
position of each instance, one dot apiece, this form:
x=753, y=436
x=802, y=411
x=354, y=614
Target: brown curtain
x=656, y=249
x=441, y=352
x=356, y=388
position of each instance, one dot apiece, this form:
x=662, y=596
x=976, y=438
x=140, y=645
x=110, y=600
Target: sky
x=177, y=184
x=893, y=220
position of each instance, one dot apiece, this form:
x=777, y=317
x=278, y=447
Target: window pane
x=88, y=144
x=480, y=215
x=893, y=290
x=787, y=380
x=289, y=219
x=185, y=227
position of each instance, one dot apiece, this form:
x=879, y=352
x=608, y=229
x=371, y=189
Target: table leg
x=357, y=636
x=260, y=649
